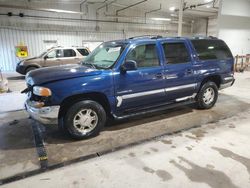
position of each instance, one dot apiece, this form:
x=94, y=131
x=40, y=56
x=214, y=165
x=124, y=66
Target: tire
x=30, y=69
x=84, y=119
x=207, y=95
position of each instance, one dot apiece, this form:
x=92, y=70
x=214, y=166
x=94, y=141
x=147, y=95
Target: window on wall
x=144, y=55
x=211, y=49
x=69, y=53
x=176, y=53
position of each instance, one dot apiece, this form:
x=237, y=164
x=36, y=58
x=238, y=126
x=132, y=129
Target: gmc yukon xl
x=129, y=77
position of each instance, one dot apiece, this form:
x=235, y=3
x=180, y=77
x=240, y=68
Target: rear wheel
x=207, y=95
x=84, y=119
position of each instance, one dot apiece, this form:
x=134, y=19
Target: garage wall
x=213, y=27
x=36, y=42
x=38, y=33
x=234, y=25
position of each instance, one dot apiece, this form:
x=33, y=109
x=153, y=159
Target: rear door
x=69, y=57
x=179, y=74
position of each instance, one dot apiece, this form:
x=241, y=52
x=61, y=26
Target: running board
x=174, y=105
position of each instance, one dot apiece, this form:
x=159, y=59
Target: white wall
x=234, y=25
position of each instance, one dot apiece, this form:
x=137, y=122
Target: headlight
x=42, y=91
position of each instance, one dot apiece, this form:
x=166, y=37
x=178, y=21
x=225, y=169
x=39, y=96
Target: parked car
x=53, y=57
x=124, y=78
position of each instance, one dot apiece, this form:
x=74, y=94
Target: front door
x=53, y=58
x=179, y=73
x=144, y=87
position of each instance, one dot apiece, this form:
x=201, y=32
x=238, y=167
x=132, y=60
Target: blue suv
x=124, y=78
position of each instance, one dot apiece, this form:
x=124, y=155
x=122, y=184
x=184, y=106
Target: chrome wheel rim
x=208, y=96
x=85, y=120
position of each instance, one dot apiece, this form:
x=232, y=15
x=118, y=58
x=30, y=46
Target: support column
x=180, y=18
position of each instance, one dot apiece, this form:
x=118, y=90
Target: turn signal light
x=42, y=91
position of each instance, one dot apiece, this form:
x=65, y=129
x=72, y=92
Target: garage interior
x=178, y=147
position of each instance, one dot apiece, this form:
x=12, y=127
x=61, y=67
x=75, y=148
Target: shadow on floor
x=53, y=136
x=16, y=78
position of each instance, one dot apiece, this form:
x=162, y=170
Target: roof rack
x=146, y=36
x=204, y=37
x=212, y=37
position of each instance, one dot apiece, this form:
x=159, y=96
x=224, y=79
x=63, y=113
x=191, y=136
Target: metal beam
x=106, y=5
x=140, y=2
x=180, y=19
x=42, y=9
x=155, y=10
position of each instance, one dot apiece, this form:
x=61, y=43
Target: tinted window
x=211, y=49
x=144, y=55
x=83, y=51
x=176, y=53
x=69, y=53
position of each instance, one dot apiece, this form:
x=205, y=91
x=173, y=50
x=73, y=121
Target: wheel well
x=216, y=79
x=35, y=66
x=95, y=96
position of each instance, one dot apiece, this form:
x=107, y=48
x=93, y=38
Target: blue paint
x=70, y=80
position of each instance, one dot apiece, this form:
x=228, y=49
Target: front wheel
x=84, y=119
x=207, y=95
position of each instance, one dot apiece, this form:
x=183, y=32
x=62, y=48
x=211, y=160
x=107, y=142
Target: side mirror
x=45, y=57
x=129, y=65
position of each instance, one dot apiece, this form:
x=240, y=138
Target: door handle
x=189, y=71
x=159, y=75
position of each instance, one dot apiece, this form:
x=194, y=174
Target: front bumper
x=21, y=69
x=44, y=115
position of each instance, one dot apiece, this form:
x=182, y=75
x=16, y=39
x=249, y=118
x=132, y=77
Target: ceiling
x=210, y=7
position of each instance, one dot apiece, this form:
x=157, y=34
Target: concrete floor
x=214, y=155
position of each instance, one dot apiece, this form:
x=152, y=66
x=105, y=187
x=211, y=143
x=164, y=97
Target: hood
x=45, y=75
x=28, y=59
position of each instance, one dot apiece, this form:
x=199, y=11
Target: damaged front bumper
x=44, y=115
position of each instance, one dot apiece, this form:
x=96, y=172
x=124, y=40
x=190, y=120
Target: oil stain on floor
x=214, y=178
x=162, y=174
x=229, y=154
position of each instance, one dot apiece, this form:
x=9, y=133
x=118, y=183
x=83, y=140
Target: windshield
x=104, y=56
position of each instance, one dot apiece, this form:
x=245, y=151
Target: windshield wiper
x=89, y=64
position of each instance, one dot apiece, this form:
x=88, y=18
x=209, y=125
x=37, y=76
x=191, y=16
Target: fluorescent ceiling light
x=172, y=8
x=61, y=11
x=161, y=19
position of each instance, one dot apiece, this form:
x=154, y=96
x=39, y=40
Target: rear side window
x=211, y=49
x=69, y=53
x=83, y=51
x=176, y=53
x=144, y=55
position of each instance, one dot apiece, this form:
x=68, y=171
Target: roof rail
x=146, y=36
x=212, y=37
x=204, y=37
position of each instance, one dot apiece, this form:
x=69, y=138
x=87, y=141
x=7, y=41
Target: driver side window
x=144, y=55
